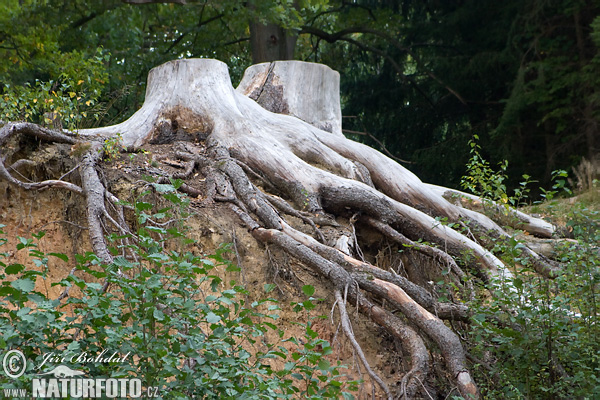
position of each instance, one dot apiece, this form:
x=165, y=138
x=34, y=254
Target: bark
x=269, y=42
x=273, y=149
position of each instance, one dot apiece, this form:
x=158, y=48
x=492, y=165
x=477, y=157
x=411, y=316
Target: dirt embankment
x=62, y=216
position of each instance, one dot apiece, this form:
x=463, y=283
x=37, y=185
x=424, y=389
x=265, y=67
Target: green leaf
x=24, y=285
x=23, y=243
x=23, y=311
x=163, y=188
x=158, y=315
x=269, y=287
x=94, y=286
x=14, y=269
x=289, y=366
x=324, y=365
x=60, y=255
x=518, y=282
x=212, y=318
x=143, y=206
x=308, y=290
x=233, y=268
x=39, y=235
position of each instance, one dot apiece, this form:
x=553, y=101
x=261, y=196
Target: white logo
x=14, y=363
x=62, y=371
x=69, y=382
x=63, y=381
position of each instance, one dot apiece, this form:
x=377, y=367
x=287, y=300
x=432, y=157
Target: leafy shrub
x=70, y=98
x=187, y=332
x=541, y=336
x=536, y=338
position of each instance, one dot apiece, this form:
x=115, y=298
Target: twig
x=65, y=292
x=65, y=222
x=71, y=170
x=426, y=391
x=385, y=150
x=237, y=255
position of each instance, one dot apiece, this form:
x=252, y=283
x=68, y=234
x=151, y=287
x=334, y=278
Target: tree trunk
x=270, y=43
x=273, y=149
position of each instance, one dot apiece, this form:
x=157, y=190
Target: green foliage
x=482, y=180
x=112, y=147
x=186, y=331
x=553, y=101
x=560, y=185
x=70, y=98
x=538, y=338
x=535, y=65
x=41, y=104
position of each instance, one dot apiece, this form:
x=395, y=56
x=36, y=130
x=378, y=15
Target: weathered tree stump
x=281, y=129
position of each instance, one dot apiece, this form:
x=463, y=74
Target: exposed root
x=411, y=341
x=430, y=251
x=447, y=340
x=324, y=266
x=29, y=129
x=505, y=215
x=94, y=195
x=347, y=328
x=283, y=206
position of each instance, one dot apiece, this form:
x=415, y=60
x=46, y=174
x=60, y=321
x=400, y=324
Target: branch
x=184, y=34
x=27, y=128
x=236, y=41
x=51, y=183
x=373, y=50
x=342, y=35
x=31, y=129
x=385, y=150
x=344, y=4
x=84, y=20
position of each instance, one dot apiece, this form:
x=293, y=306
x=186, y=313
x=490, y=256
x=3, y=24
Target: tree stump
x=274, y=149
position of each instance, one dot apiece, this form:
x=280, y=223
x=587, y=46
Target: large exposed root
x=91, y=188
x=506, y=215
x=270, y=167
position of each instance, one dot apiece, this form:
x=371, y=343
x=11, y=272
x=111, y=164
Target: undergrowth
x=531, y=337
x=180, y=329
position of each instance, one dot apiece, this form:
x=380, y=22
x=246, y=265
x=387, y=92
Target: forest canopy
x=138, y=136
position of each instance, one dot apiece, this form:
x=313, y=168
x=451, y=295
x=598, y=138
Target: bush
x=187, y=333
x=536, y=338
x=65, y=102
